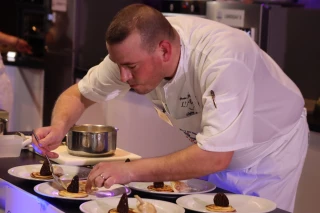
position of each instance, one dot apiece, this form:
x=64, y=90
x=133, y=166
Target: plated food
x=32, y=172
x=135, y=205
x=141, y=207
x=51, y=189
x=191, y=186
x=45, y=172
x=122, y=206
x=175, y=186
x=220, y=204
x=211, y=202
x=75, y=189
x=160, y=187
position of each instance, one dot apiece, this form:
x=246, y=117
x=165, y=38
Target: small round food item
x=221, y=199
x=38, y=176
x=130, y=210
x=214, y=208
x=65, y=193
x=127, y=160
x=164, y=188
x=221, y=204
x=158, y=184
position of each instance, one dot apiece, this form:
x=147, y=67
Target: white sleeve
x=102, y=82
x=229, y=125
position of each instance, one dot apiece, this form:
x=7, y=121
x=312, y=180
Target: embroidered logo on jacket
x=190, y=135
x=187, y=103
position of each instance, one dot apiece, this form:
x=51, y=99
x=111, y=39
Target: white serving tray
x=67, y=159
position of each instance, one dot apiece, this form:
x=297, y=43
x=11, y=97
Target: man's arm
x=187, y=163
x=191, y=162
x=19, y=44
x=68, y=108
x=8, y=39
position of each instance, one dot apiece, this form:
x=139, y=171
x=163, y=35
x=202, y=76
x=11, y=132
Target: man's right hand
x=50, y=138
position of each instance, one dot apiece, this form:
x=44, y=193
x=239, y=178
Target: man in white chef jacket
x=244, y=117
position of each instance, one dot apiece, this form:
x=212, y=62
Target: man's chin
x=141, y=91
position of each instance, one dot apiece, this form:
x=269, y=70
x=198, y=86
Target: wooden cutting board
x=67, y=159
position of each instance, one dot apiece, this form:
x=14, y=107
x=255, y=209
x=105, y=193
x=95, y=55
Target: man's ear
x=165, y=50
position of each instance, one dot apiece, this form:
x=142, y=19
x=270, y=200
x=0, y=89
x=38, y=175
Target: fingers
x=52, y=155
x=96, y=177
x=107, y=174
x=24, y=47
x=109, y=182
x=91, y=177
x=34, y=141
x=51, y=140
x=47, y=141
x=39, y=149
x=100, y=181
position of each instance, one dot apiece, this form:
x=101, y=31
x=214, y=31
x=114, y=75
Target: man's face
x=142, y=70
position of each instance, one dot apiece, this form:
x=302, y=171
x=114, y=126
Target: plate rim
x=31, y=178
x=132, y=198
x=174, y=193
x=35, y=188
x=233, y=194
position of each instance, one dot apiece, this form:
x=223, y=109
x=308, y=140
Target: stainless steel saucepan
x=89, y=140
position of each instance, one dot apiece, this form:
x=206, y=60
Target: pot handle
x=5, y=121
x=27, y=142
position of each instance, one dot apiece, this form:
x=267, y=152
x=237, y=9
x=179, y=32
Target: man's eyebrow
x=128, y=63
x=125, y=63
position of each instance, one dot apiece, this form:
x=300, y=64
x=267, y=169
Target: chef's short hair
x=149, y=22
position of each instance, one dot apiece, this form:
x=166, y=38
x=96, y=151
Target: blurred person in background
x=19, y=45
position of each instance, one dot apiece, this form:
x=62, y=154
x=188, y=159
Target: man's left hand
x=108, y=173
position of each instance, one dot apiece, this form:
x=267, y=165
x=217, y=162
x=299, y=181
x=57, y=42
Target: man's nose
x=125, y=74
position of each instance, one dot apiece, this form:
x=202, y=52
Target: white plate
x=242, y=203
x=104, y=205
x=48, y=189
x=197, y=185
x=24, y=171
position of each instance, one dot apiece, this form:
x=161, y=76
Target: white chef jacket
x=254, y=102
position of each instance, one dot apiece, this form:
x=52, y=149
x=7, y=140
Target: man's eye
x=131, y=66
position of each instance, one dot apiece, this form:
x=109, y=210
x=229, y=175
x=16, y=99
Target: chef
x=244, y=117
x=6, y=93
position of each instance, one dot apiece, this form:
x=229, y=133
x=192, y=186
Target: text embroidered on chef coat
x=186, y=102
x=190, y=135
